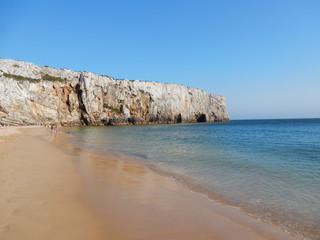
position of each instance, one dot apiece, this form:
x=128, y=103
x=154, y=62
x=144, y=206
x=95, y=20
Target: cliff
x=32, y=94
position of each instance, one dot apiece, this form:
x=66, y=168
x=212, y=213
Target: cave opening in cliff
x=179, y=118
x=202, y=118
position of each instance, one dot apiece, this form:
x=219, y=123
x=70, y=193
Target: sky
x=262, y=55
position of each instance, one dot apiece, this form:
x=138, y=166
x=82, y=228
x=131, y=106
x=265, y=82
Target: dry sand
x=44, y=197
x=40, y=190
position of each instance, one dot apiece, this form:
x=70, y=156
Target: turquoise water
x=269, y=168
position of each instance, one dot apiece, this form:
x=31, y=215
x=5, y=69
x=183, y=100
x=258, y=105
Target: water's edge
x=269, y=169
x=184, y=181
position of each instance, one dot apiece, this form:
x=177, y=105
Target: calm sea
x=269, y=168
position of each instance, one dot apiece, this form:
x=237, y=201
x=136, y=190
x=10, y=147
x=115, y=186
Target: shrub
x=43, y=77
x=113, y=109
x=20, y=78
x=52, y=78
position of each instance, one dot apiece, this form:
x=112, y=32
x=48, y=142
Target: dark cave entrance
x=202, y=118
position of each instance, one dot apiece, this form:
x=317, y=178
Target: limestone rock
x=31, y=94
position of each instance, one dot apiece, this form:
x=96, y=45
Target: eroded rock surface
x=31, y=94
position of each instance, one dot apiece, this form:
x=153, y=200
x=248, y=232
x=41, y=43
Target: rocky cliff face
x=31, y=94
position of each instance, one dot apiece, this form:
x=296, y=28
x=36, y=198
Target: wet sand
x=43, y=196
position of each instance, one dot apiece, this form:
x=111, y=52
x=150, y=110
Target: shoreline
x=105, y=198
x=193, y=185
x=116, y=179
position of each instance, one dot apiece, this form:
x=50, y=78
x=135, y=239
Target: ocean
x=268, y=168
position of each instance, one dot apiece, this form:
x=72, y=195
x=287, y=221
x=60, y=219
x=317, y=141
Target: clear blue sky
x=263, y=55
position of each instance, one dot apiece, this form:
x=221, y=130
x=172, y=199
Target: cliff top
x=22, y=70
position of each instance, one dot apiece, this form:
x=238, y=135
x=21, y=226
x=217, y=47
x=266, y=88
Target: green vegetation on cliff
x=113, y=109
x=45, y=77
x=52, y=78
x=20, y=78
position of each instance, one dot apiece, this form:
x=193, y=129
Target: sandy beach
x=53, y=190
x=40, y=190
